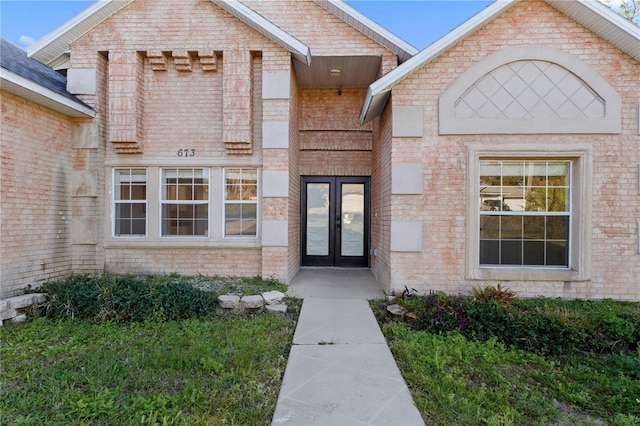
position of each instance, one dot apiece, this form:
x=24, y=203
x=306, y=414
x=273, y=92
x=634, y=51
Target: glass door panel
x=317, y=207
x=352, y=216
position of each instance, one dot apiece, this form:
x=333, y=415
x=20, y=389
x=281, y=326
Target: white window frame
x=114, y=203
x=524, y=213
x=163, y=201
x=225, y=202
x=579, y=268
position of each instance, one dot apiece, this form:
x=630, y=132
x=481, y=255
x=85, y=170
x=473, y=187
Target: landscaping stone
x=26, y=300
x=279, y=308
x=252, y=302
x=7, y=313
x=396, y=310
x=20, y=318
x=272, y=297
x=229, y=301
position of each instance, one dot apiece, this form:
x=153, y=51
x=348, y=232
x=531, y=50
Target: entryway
x=335, y=221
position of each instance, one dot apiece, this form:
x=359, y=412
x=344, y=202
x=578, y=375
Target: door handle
x=338, y=223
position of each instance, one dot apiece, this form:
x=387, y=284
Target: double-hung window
x=130, y=202
x=185, y=202
x=240, y=202
x=525, y=213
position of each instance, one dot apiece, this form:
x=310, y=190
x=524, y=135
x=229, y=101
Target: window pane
x=557, y=227
x=489, y=173
x=536, y=200
x=249, y=216
x=533, y=253
x=535, y=173
x=512, y=199
x=490, y=227
x=559, y=173
x=233, y=219
x=558, y=199
x=511, y=252
x=511, y=227
x=489, y=252
x=513, y=173
x=557, y=253
x=534, y=227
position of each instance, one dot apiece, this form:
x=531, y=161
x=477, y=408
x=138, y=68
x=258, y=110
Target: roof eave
x=299, y=50
x=49, y=48
x=370, y=28
x=20, y=86
x=380, y=89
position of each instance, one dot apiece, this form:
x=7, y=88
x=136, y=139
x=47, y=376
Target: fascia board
x=388, y=81
x=374, y=27
x=300, y=51
x=14, y=83
x=56, y=43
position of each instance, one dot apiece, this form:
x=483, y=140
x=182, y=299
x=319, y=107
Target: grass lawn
x=215, y=370
x=458, y=380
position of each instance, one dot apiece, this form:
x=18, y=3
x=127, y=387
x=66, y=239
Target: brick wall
x=35, y=243
x=381, y=198
x=615, y=204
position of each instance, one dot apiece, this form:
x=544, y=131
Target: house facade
x=256, y=138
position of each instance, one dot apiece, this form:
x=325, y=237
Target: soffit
x=355, y=71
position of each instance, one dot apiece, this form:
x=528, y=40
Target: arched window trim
x=611, y=123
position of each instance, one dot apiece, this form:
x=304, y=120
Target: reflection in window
x=130, y=202
x=524, y=208
x=240, y=202
x=185, y=202
x=317, y=219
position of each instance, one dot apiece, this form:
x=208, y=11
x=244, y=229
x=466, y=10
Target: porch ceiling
x=355, y=71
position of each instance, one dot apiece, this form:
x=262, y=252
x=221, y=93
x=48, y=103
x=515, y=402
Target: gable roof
x=52, y=50
x=592, y=14
x=370, y=28
x=36, y=82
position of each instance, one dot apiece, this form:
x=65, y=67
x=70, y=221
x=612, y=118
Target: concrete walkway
x=340, y=369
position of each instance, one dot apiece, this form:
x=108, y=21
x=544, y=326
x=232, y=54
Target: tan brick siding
x=35, y=202
x=615, y=206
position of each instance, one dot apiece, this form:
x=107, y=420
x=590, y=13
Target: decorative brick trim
x=183, y=60
x=157, y=60
x=208, y=60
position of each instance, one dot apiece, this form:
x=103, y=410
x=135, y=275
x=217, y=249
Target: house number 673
x=186, y=152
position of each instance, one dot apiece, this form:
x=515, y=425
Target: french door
x=335, y=221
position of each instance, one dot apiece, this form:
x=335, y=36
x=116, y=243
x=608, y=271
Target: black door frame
x=335, y=222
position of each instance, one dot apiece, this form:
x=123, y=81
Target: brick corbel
x=182, y=59
x=208, y=60
x=157, y=60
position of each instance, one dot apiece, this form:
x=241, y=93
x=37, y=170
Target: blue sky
x=419, y=22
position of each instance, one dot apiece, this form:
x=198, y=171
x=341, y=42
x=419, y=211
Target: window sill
x=525, y=274
x=168, y=243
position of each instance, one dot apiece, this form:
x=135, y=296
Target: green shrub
x=124, y=298
x=543, y=326
x=503, y=296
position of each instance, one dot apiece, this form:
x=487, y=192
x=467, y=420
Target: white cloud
x=26, y=41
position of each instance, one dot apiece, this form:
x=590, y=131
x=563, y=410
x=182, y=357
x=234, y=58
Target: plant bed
x=96, y=369
x=479, y=360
